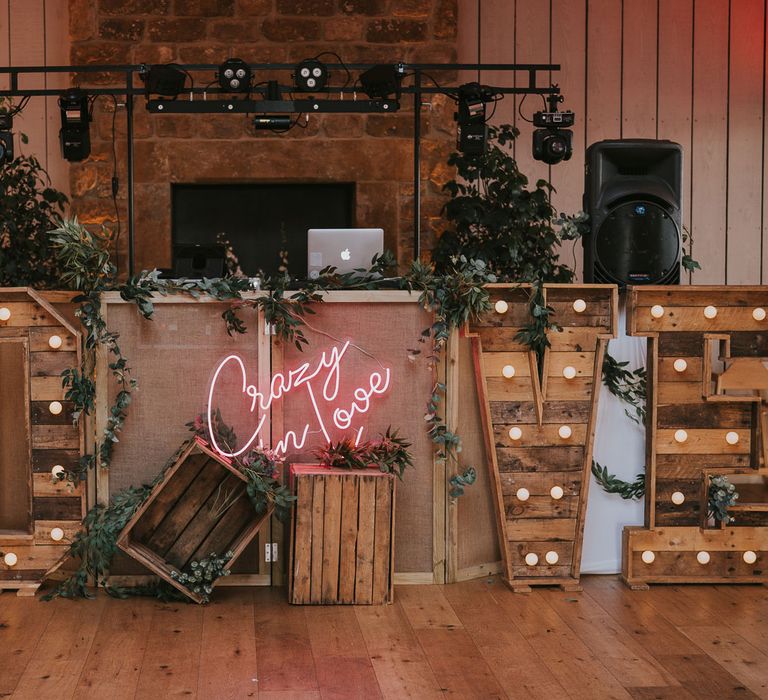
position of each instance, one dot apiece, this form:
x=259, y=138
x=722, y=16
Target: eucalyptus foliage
x=629, y=386
x=721, y=496
x=496, y=216
x=199, y=576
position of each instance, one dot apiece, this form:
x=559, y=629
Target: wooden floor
x=468, y=640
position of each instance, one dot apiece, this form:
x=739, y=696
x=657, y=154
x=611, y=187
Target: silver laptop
x=346, y=249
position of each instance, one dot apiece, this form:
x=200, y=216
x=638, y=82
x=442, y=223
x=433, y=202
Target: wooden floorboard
x=474, y=639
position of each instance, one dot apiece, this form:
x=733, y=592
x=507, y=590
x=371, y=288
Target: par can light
x=235, y=75
x=310, y=75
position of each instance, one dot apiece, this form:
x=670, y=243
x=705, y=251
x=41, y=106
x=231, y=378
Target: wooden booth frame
x=270, y=358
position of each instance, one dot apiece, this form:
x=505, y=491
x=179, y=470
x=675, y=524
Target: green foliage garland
x=458, y=482
x=95, y=545
x=628, y=386
x=629, y=491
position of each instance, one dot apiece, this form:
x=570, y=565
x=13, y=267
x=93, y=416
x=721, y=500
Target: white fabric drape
x=620, y=446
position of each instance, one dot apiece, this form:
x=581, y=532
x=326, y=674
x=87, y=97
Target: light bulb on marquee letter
x=657, y=311
x=648, y=557
x=57, y=534
x=681, y=435
x=501, y=307
x=55, y=342
x=531, y=559
x=710, y=312
x=680, y=365
x=564, y=431
x=5, y=313
x=508, y=371
x=523, y=494
x=579, y=306
x=749, y=557
x=732, y=437
x=703, y=558
x=569, y=372
x=678, y=498
x=515, y=433
x=10, y=559
x=556, y=492
x=758, y=314
x=551, y=557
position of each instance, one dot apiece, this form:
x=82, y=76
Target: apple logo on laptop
x=345, y=254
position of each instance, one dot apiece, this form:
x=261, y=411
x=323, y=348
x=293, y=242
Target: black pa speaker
x=633, y=195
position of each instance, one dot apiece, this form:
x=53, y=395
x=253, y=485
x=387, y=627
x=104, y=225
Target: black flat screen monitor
x=259, y=220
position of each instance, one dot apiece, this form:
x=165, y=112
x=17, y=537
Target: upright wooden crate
x=199, y=507
x=342, y=536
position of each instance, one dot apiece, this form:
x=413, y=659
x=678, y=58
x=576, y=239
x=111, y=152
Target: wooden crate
x=342, y=536
x=199, y=507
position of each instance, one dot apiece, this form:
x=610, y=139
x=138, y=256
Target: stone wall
x=373, y=151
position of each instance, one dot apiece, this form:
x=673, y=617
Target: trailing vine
x=629, y=386
x=628, y=490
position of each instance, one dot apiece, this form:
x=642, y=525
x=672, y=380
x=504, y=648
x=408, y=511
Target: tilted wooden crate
x=201, y=506
x=342, y=536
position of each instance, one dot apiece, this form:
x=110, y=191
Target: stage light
x=6, y=138
x=552, y=140
x=472, y=131
x=310, y=75
x=166, y=80
x=235, y=75
x=382, y=81
x=74, y=135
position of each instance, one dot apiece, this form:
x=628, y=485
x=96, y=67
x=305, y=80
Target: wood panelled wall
x=693, y=71
x=35, y=33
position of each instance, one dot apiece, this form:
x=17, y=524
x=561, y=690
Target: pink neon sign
x=321, y=383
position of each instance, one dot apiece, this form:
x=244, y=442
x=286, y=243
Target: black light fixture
x=6, y=138
x=552, y=140
x=74, y=135
x=472, y=131
x=166, y=79
x=382, y=81
x=235, y=75
x=310, y=75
